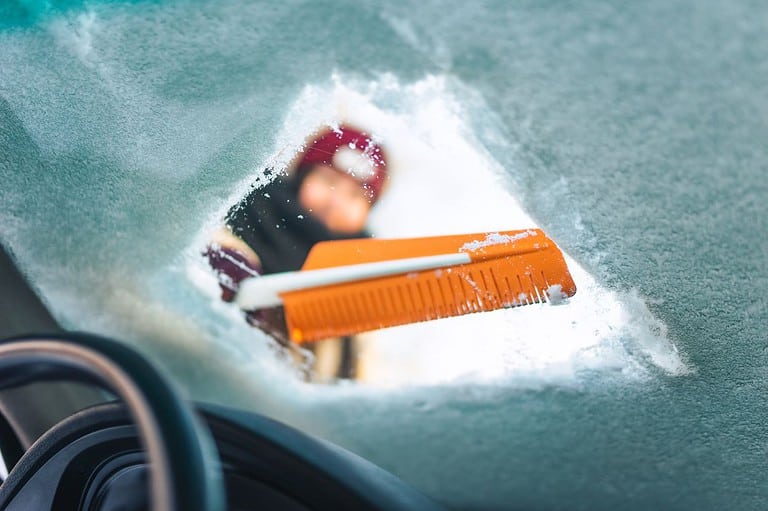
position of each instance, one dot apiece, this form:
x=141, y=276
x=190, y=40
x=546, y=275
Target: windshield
x=633, y=135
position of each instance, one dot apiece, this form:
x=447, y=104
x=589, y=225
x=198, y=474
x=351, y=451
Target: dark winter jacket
x=281, y=232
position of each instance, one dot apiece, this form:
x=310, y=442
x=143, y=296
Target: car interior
x=88, y=423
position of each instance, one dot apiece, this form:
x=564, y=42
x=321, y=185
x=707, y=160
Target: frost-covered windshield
x=633, y=135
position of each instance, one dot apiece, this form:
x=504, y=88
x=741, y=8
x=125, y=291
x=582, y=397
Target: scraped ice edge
x=430, y=147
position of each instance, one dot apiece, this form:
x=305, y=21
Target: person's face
x=336, y=199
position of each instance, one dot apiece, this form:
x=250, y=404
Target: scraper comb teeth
x=521, y=275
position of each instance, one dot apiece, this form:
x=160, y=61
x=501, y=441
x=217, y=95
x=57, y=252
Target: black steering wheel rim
x=185, y=473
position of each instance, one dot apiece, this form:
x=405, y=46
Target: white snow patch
x=555, y=295
x=496, y=239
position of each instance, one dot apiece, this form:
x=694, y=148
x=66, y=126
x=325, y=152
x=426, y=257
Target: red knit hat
x=349, y=151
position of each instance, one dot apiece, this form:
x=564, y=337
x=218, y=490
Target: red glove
x=231, y=267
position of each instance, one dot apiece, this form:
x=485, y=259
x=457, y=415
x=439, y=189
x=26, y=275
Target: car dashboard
x=95, y=459
x=88, y=423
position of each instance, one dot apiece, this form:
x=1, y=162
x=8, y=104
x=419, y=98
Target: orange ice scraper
x=352, y=286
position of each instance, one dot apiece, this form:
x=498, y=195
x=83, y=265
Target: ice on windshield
x=632, y=133
x=124, y=182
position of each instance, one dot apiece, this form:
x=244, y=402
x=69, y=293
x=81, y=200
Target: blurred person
x=328, y=196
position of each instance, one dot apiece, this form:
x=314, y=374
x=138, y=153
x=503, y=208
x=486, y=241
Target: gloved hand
x=232, y=267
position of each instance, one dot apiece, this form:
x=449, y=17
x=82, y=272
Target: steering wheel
x=185, y=470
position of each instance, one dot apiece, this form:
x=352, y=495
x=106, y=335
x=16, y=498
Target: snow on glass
x=495, y=239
